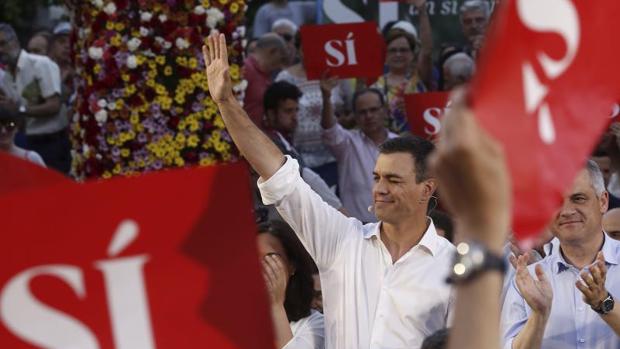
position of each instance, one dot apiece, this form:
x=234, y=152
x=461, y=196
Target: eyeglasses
x=372, y=110
x=475, y=20
x=401, y=50
x=8, y=126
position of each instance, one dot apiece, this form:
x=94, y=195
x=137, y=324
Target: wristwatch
x=471, y=259
x=607, y=305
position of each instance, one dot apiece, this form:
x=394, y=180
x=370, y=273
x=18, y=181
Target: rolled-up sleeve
x=337, y=139
x=322, y=229
x=514, y=315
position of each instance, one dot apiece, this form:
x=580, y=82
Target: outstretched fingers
x=223, y=51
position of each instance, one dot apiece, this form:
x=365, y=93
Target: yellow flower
x=193, y=140
x=97, y=69
x=182, y=61
x=141, y=59
x=160, y=60
x=119, y=26
x=125, y=152
x=129, y=90
x=193, y=63
x=116, y=40
x=234, y=72
x=205, y=3
x=160, y=89
x=151, y=83
x=180, y=138
x=111, y=141
x=234, y=8
x=152, y=65
x=106, y=175
x=179, y=162
x=151, y=74
x=134, y=119
x=117, y=169
x=125, y=77
x=179, y=99
x=109, y=25
x=223, y=2
x=168, y=70
x=207, y=161
x=194, y=126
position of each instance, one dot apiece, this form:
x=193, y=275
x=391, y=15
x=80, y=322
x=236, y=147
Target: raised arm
x=258, y=149
x=425, y=59
x=328, y=119
x=474, y=181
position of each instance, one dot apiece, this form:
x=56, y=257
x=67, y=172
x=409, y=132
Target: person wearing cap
x=408, y=71
x=60, y=52
x=31, y=88
x=9, y=123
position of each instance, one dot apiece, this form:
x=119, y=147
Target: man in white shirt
x=31, y=87
x=384, y=283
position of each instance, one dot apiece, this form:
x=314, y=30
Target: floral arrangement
x=142, y=101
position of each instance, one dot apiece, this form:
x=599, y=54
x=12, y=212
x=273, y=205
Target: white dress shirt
x=572, y=323
x=36, y=78
x=308, y=333
x=368, y=301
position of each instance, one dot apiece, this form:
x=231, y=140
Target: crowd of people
x=355, y=238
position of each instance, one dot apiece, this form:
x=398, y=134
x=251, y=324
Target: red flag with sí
x=165, y=260
x=546, y=82
x=346, y=50
x=424, y=112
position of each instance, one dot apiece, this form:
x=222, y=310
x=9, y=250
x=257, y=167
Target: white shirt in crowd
x=356, y=155
x=308, y=333
x=27, y=155
x=368, y=301
x=36, y=78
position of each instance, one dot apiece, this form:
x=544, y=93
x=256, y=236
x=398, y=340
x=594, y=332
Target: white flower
x=95, y=52
x=85, y=149
x=145, y=16
x=112, y=106
x=241, y=31
x=182, y=43
x=110, y=8
x=214, y=16
x=101, y=116
x=133, y=44
x=167, y=44
x=241, y=86
x=144, y=31
x=132, y=62
x=102, y=103
x=199, y=10
x=163, y=18
x=98, y=3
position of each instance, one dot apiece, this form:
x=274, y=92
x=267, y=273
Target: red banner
x=424, y=112
x=166, y=260
x=345, y=50
x=547, y=80
x=17, y=174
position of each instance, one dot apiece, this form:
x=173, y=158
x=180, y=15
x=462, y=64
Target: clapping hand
x=537, y=292
x=592, y=283
x=276, y=278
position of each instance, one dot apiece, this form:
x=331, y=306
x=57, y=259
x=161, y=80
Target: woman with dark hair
x=287, y=269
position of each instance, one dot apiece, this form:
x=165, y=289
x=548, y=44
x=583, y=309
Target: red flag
x=424, y=112
x=17, y=174
x=159, y=261
x=547, y=79
x=345, y=50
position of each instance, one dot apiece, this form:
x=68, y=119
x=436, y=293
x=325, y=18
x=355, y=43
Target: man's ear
x=604, y=202
x=430, y=185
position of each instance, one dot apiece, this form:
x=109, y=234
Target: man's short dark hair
x=437, y=340
x=364, y=91
x=418, y=147
x=279, y=92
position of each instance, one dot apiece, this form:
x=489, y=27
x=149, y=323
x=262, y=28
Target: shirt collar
x=430, y=240
x=22, y=60
x=610, y=252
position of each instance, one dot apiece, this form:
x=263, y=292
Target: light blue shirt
x=572, y=323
